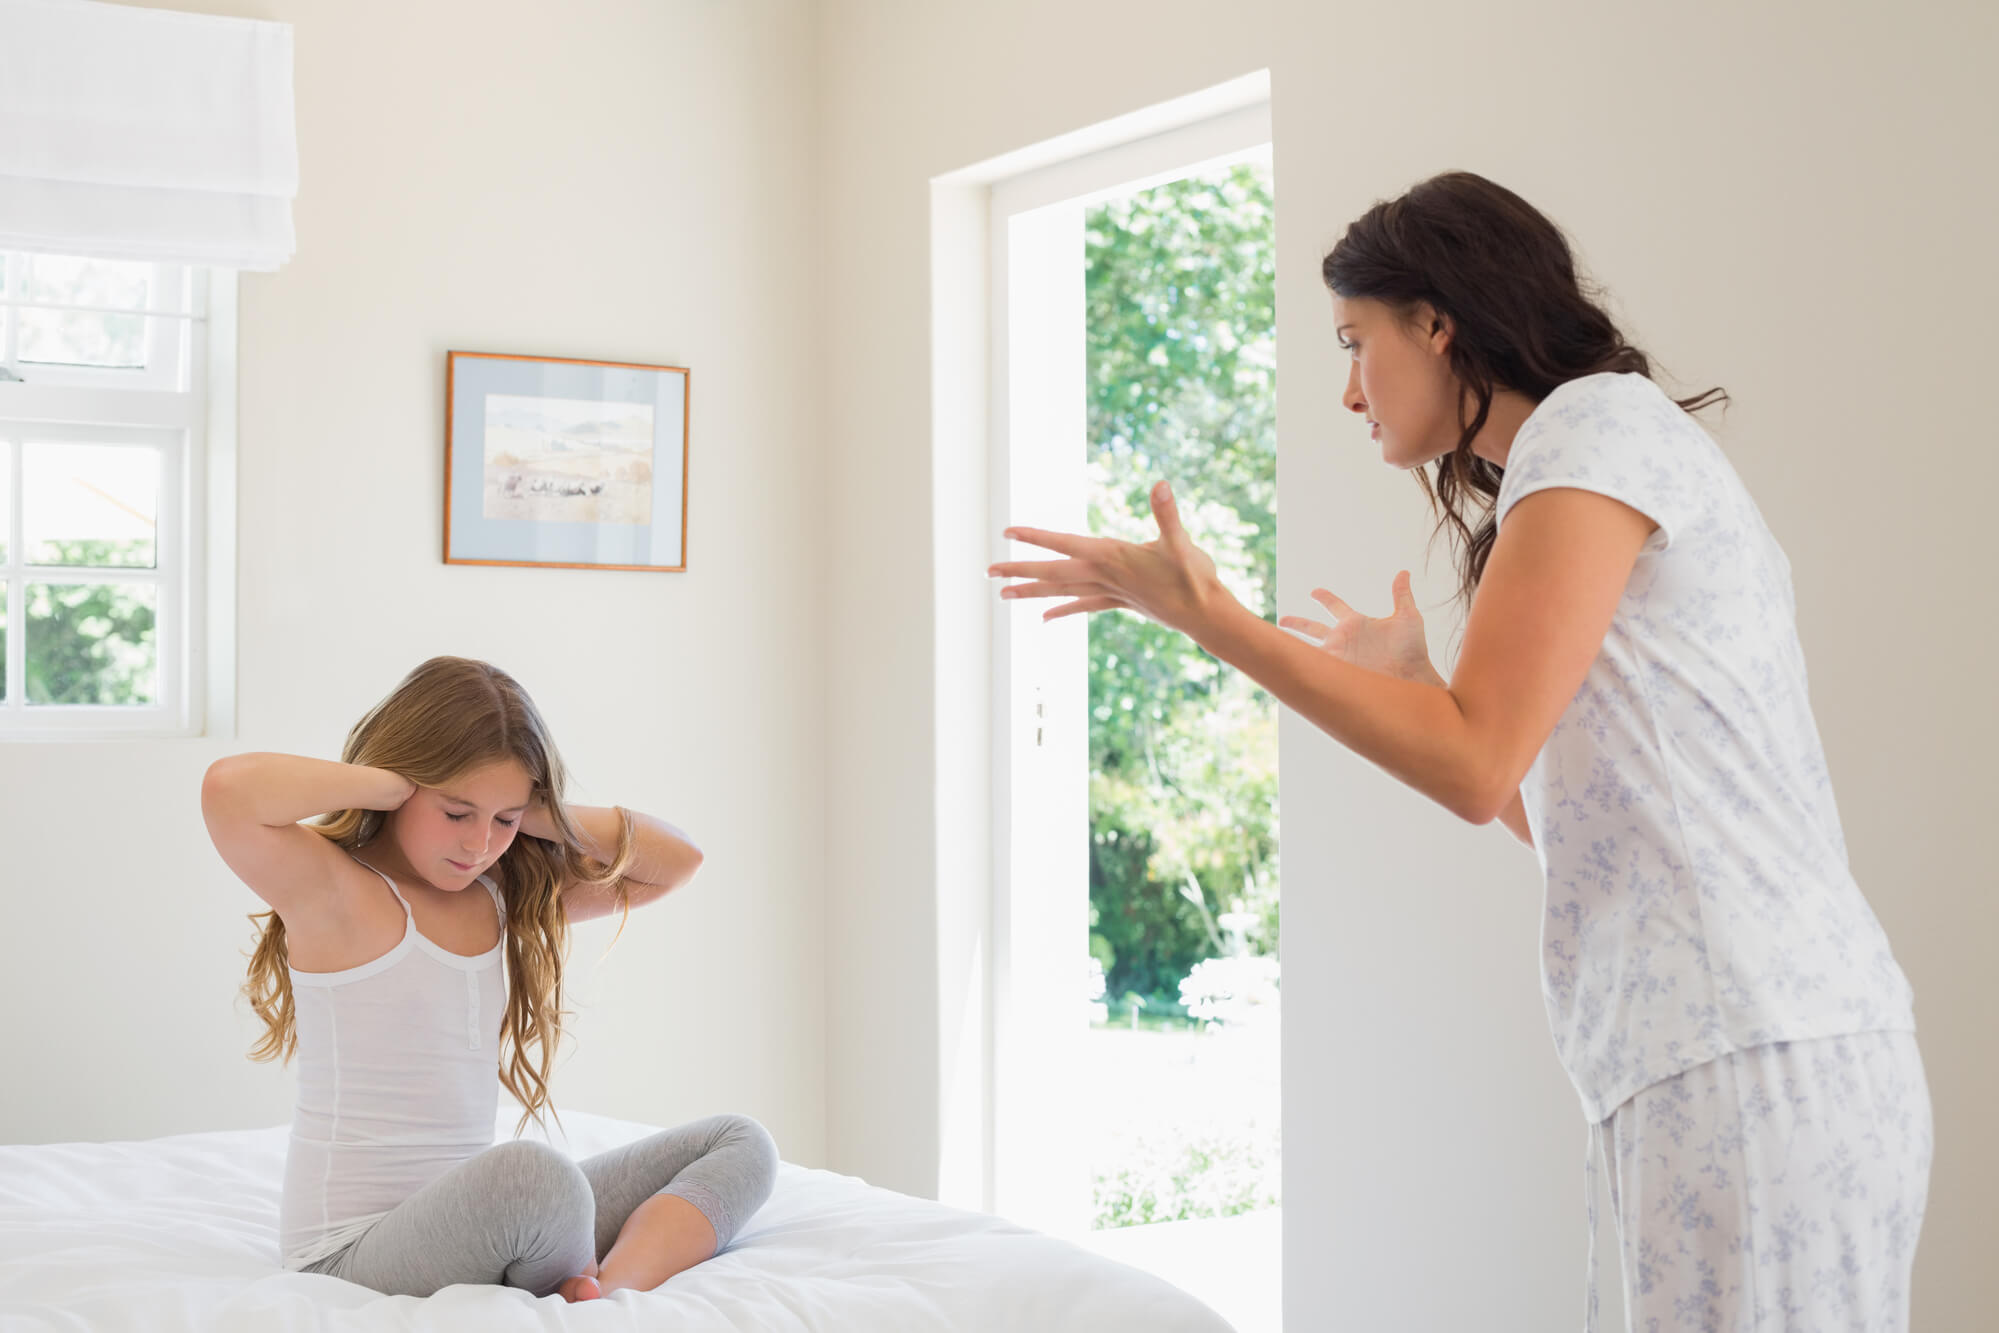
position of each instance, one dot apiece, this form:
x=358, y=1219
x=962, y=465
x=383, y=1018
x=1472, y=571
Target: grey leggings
x=525, y=1215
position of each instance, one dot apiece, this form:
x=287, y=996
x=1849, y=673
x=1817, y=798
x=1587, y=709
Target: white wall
x=631, y=181
x=1799, y=213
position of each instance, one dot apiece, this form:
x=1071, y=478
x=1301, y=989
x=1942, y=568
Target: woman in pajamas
x=1631, y=701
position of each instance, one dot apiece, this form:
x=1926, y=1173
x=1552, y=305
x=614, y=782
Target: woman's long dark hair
x=1503, y=273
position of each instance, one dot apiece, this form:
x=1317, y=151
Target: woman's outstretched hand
x=1393, y=645
x=1168, y=579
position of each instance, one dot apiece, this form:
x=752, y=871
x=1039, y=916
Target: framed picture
x=572, y=464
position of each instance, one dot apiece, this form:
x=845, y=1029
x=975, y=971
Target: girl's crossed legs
x=525, y=1215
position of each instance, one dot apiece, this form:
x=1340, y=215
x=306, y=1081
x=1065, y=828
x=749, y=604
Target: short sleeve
x=1618, y=435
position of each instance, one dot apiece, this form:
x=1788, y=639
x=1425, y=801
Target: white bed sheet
x=180, y=1233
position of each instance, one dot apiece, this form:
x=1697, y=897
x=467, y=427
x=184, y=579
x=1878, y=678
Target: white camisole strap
x=499, y=903
x=492, y=891
x=392, y=888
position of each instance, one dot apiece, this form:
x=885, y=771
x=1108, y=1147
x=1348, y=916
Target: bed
x=181, y=1233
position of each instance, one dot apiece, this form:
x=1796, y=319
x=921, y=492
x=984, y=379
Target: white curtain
x=146, y=134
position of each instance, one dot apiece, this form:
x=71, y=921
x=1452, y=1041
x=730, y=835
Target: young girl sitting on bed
x=379, y=969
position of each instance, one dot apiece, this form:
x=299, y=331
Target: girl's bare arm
x=252, y=803
x=664, y=857
x=281, y=789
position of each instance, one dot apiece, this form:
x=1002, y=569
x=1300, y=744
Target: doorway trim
x=1011, y=806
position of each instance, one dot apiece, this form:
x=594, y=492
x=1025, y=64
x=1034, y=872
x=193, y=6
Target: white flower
x=1230, y=990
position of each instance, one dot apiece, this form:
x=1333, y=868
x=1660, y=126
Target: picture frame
x=565, y=463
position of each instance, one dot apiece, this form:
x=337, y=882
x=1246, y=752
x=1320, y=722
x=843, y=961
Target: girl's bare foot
x=582, y=1287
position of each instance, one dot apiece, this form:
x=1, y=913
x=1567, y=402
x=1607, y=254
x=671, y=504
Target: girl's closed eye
x=503, y=823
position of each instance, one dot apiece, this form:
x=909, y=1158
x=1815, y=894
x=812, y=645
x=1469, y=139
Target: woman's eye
x=508, y=823
x=450, y=816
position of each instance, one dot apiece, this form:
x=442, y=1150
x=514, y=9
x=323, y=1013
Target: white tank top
x=398, y=1082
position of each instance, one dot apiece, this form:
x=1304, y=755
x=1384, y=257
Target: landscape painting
x=567, y=460
x=565, y=463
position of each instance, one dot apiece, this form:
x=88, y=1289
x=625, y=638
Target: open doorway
x=1135, y=997
x=1179, y=1085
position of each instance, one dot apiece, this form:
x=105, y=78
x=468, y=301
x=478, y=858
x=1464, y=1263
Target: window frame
x=173, y=307
x=184, y=406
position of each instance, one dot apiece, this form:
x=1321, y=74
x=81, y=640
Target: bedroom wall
x=1799, y=212
x=624, y=180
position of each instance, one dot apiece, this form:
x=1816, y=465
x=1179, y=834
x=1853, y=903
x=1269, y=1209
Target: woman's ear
x=1439, y=330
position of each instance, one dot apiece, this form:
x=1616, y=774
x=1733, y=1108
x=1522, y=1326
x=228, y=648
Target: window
x=113, y=594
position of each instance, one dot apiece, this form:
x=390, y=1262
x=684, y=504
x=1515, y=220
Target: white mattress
x=181, y=1233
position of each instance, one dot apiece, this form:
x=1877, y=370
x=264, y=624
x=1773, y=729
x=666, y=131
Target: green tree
x=90, y=643
x=1181, y=300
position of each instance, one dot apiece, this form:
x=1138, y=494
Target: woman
x=1631, y=700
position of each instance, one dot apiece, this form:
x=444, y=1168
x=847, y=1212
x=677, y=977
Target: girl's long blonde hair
x=448, y=716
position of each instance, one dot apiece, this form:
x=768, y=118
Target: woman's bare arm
x=1545, y=603
x=1514, y=816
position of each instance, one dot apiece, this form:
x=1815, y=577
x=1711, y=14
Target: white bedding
x=181, y=1233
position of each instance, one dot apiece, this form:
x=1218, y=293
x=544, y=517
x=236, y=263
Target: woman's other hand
x=1393, y=644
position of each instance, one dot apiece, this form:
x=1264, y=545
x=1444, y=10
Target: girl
x=1630, y=701
x=384, y=975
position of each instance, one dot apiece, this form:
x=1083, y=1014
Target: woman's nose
x=1352, y=398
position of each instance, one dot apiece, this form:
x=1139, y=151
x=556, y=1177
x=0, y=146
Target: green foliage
x=1183, y=753
x=1158, y=1012
x=1172, y=1178
x=90, y=643
x=1182, y=308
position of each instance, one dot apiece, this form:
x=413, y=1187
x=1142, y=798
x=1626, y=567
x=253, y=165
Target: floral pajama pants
x=1774, y=1190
